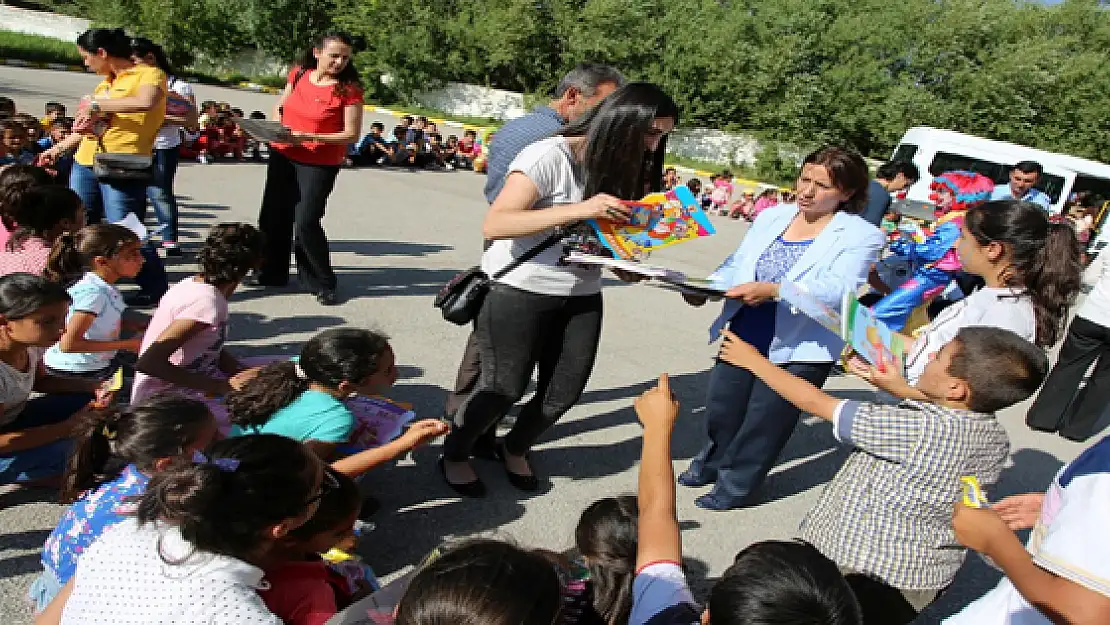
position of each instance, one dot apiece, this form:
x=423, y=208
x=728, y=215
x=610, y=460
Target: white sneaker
x=203, y=159
x=449, y=167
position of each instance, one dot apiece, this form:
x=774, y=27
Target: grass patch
x=416, y=109
x=26, y=47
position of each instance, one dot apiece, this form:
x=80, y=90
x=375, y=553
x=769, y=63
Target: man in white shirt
x=1022, y=186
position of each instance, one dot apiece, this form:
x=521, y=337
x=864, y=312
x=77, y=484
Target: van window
x=998, y=172
x=905, y=152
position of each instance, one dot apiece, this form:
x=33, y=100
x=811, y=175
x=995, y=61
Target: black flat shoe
x=526, y=483
x=327, y=298
x=473, y=489
x=255, y=280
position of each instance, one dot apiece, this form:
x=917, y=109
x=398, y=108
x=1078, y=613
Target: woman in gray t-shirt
x=543, y=315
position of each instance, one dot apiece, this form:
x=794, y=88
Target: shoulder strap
x=299, y=75
x=530, y=254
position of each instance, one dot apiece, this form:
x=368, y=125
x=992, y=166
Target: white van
x=936, y=151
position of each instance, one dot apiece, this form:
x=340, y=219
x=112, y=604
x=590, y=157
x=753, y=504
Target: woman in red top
x=322, y=106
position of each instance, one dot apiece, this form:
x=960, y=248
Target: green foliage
x=808, y=72
x=34, y=48
x=285, y=28
x=771, y=165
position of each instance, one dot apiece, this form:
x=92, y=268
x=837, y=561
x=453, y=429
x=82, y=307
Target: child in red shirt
x=304, y=589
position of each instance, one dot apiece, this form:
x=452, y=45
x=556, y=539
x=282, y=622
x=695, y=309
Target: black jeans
x=293, y=204
x=748, y=425
x=516, y=332
x=1061, y=405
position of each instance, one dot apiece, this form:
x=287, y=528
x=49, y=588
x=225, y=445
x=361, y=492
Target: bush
x=25, y=47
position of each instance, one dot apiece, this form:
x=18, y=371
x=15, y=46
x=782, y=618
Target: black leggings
x=516, y=332
x=293, y=204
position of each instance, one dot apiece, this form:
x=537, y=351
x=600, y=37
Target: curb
x=59, y=67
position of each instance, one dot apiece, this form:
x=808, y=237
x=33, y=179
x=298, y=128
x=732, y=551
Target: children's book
x=658, y=220
x=377, y=421
x=853, y=322
x=659, y=276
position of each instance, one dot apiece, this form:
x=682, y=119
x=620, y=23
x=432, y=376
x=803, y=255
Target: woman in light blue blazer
x=819, y=243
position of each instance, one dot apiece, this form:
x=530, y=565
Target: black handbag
x=109, y=166
x=461, y=298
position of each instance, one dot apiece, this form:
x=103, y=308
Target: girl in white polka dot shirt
x=204, y=530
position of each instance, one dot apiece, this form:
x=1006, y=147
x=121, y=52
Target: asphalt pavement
x=396, y=237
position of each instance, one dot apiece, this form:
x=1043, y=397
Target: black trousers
x=1061, y=406
x=293, y=203
x=516, y=332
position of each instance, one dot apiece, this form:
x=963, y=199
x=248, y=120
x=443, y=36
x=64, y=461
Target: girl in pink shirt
x=43, y=214
x=183, y=347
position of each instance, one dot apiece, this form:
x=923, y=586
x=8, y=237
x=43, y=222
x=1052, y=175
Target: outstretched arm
x=659, y=538
x=807, y=397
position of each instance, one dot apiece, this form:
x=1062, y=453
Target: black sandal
x=473, y=489
x=526, y=483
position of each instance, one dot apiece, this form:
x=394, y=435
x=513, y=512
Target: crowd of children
x=177, y=513
x=416, y=143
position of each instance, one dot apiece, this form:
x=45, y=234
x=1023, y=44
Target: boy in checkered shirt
x=885, y=519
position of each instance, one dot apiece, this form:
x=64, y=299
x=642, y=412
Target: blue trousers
x=748, y=425
x=160, y=193
x=48, y=460
x=112, y=201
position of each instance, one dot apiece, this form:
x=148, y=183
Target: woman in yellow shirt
x=126, y=110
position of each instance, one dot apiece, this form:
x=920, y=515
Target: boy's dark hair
x=223, y=507
x=55, y=107
x=607, y=536
x=1000, y=368
x=1029, y=167
x=399, y=132
x=774, y=582
x=380, y=126
x=40, y=210
x=406, y=118
x=258, y=115
x=160, y=426
x=890, y=171
x=21, y=294
x=7, y=107
x=73, y=253
x=694, y=185
x=473, y=133
x=335, y=506
x=330, y=358
x=62, y=122
x=483, y=582
x=422, y=120
x=236, y=112
x=231, y=251
x=207, y=104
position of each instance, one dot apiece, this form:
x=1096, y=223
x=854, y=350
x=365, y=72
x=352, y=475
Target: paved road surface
x=396, y=237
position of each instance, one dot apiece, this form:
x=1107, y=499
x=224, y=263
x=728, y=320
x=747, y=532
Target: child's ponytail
x=223, y=499
x=73, y=253
x=1054, y=281
x=163, y=426
x=328, y=359
x=1044, y=256
x=277, y=385
x=64, y=260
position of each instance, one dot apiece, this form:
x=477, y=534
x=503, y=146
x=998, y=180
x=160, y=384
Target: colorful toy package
x=658, y=220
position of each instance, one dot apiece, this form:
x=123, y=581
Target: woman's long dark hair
x=114, y=42
x=607, y=537
x=615, y=132
x=1045, y=258
x=348, y=77
x=141, y=47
